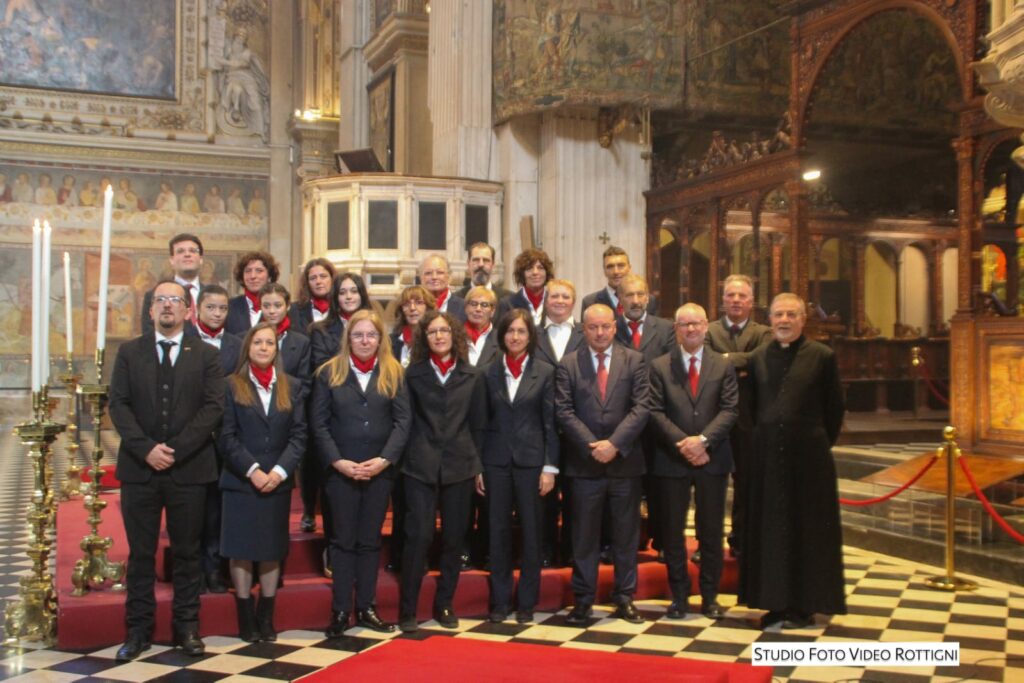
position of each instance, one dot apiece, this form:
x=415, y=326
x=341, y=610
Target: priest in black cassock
x=792, y=560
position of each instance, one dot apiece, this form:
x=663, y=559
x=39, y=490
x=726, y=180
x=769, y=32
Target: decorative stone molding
x=1002, y=72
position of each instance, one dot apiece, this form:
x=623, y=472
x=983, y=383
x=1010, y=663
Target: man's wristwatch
x=704, y=440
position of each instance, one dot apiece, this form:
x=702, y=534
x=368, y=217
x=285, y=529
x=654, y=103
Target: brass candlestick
x=95, y=567
x=34, y=616
x=72, y=485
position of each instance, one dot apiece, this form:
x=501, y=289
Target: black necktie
x=165, y=360
x=735, y=330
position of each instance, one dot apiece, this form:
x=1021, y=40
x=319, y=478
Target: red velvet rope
x=988, y=506
x=895, y=492
x=926, y=376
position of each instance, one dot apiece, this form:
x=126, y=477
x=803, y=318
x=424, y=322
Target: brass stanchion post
x=950, y=582
x=34, y=616
x=916, y=361
x=95, y=568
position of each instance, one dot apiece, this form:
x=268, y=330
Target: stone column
x=354, y=74
x=860, y=247
x=937, y=326
x=285, y=233
x=518, y=159
x=589, y=196
x=459, y=88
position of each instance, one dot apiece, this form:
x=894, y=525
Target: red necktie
x=694, y=375
x=602, y=376
x=634, y=325
x=618, y=309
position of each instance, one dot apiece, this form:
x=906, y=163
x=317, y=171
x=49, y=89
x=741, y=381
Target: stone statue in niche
x=243, y=88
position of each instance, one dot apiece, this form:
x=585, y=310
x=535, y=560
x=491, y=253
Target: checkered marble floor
x=887, y=602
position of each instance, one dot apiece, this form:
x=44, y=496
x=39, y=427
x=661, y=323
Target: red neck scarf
x=407, y=335
x=209, y=331
x=364, y=365
x=474, y=333
x=320, y=303
x=254, y=300
x=536, y=298
x=441, y=297
x=445, y=366
x=345, y=316
x=515, y=365
x=283, y=326
x=263, y=375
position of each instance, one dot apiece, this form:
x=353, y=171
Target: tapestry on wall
x=108, y=47
x=548, y=53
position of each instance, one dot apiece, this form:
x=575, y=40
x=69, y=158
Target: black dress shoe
x=132, y=648
x=190, y=643
x=407, y=624
x=464, y=564
x=627, y=612
x=498, y=615
x=579, y=616
x=798, y=620
x=771, y=618
x=368, y=618
x=524, y=616
x=445, y=616
x=712, y=610
x=215, y=584
x=308, y=524
x=339, y=624
x=677, y=610
x=392, y=566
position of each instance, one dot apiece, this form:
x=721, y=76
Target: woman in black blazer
x=253, y=270
x=520, y=459
x=361, y=420
x=312, y=303
x=262, y=439
x=347, y=295
x=412, y=304
x=294, y=345
x=441, y=462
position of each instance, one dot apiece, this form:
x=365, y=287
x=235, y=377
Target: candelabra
x=34, y=615
x=72, y=485
x=95, y=568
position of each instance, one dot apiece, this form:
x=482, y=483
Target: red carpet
x=97, y=619
x=453, y=660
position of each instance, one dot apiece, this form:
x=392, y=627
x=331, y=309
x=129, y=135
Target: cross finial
x=605, y=239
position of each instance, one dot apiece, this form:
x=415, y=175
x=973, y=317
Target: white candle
x=37, y=247
x=44, y=377
x=101, y=323
x=67, y=303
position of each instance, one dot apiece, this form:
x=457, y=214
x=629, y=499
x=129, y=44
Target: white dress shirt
x=558, y=335
x=474, y=348
x=175, y=348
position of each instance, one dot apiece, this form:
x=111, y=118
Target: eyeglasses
x=364, y=336
x=161, y=300
x=691, y=325
x=439, y=332
x=479, y=304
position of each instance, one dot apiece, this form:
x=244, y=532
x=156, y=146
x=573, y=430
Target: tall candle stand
x=34, y=615
x=95, y=568
x=72, y=485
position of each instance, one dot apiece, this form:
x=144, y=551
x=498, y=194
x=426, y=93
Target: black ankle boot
x=265, y=619
x=246, y=620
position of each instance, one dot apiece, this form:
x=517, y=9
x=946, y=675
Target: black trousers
x=421, y=502
x=141, y=507
x=742, y=442
x=517, y=487
x=589, y=496
x=311, y=483
x=709, y=520
x=556, y=539
x=358, y=509
x=211, y=557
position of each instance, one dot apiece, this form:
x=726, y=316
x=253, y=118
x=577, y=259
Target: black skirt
x=254, y=526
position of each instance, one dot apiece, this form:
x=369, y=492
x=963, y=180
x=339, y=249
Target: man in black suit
x=616, y=267
x=166, y=400
x=652, y=337
x=436, y=277
x=212, y=311
x=736, y=335
x=479, y=268
x=186, y=260
x=602, y=404
x=693, y=407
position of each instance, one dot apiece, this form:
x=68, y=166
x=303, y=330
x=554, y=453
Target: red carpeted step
x=454, y=660
x=97, y=619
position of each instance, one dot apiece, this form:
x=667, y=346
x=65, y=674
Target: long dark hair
x=506, y=322
x=304, y=295
x=334, y=309
x=420, y=347
x=239, y=380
